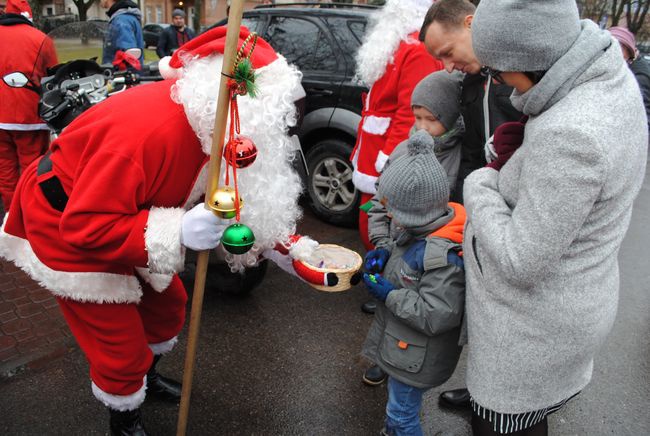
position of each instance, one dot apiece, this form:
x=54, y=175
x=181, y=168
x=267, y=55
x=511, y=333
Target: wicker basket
x=344, y=274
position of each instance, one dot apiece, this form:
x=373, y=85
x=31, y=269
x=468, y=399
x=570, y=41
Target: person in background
x=420, y=283
x=636, y=62
x=124, y=29
x=484, y=105
x=3, y=5
x=447, y=35
x=23, y=135
x=546, y=219
x=174, y=36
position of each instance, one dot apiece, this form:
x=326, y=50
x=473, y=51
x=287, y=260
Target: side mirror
x=135, y=52
x=16, y=79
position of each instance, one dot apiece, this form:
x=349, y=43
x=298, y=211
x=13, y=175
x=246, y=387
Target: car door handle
x=319, y=91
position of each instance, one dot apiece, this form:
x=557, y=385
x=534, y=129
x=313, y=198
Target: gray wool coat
x=543, y=234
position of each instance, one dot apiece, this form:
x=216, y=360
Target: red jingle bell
x=242, y=149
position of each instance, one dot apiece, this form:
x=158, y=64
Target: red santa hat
x=19, y=7
x=210, y=43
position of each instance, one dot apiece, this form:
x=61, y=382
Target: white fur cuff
x=163, y=347
x=121, y=402
x=163, y=240
x=380, y=162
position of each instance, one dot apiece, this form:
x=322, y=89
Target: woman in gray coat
x=545, y=227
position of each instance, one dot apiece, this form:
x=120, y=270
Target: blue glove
x=375, y=260
x=378, y=286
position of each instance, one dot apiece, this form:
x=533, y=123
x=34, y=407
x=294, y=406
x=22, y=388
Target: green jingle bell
x=237, y=238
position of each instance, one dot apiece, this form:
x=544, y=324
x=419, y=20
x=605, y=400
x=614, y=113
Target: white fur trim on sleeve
x=163, y=347
x=121, y=402
x=163, y=240
x=303, y=249
x=380, y=162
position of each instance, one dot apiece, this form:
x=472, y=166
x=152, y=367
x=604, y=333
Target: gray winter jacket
x=543, y=234
x=414, y=337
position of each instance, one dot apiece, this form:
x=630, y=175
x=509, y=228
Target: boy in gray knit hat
x=419, y=280
x=436, y=106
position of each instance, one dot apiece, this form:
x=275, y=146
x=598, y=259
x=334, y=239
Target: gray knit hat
x=439, y=93
x=415, y=185
x=530, y=35
x=178, y=13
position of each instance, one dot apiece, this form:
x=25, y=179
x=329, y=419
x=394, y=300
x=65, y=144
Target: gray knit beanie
x=415, y=185
x=530, y=35
x=178, y=13
x=439, y=93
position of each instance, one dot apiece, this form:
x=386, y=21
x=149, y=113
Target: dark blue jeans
x=403, y=409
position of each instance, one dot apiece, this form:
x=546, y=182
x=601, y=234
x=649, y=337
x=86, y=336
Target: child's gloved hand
x=375, y=260
x=378, y=286
x=508, y=137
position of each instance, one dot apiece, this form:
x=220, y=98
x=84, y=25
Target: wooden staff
x=214, y=169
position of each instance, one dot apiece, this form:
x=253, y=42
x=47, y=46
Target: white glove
x=201, y=229
x=490, y=154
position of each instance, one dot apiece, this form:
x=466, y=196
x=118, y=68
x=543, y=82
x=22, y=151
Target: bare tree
x=82, y=7
x=635, y=14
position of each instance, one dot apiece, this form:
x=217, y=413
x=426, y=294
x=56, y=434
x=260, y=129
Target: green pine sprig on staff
x=245, y=76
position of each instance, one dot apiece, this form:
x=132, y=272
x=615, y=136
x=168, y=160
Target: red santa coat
x=133, y=168
x=29, y=51
x=387, y=116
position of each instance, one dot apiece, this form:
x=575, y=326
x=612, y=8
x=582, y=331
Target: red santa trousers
x=17, y=150
x=116, y=339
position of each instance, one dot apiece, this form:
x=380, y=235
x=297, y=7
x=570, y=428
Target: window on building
x=159, y=18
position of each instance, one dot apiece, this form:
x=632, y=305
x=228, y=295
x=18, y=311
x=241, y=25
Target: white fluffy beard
x=270, y=187
x=389, y=26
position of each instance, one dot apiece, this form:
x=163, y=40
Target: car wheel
x=332, y=195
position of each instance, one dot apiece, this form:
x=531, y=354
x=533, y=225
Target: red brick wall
x=31, y=324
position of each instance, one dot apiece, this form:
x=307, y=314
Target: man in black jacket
x=446, y=33
x=174, y=36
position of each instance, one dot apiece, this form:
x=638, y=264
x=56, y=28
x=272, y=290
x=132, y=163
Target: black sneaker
x=369, y=307
x=374, y=376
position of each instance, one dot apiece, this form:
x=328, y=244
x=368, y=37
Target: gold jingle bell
x=222, y=202
x=242, y=150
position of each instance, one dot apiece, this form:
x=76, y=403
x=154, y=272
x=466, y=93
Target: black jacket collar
x=13, y=19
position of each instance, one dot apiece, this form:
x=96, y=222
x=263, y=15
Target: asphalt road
x=285, y=361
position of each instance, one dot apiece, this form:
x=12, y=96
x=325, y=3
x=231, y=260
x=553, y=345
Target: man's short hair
x=449, y=13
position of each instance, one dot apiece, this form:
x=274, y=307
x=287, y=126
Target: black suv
x=322, y=41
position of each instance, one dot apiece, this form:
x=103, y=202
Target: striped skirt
x=505, y=423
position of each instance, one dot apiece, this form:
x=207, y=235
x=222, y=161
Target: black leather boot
x=128, y=423
x=455, y=399
x=161, y=387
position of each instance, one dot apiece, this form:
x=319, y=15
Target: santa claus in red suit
x=23, y=135
x=390, y=62
x=103, y=219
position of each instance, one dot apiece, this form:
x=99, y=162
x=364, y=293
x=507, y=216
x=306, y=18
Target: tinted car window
x=358, y=29
x=254, y=24
x=302, y=43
